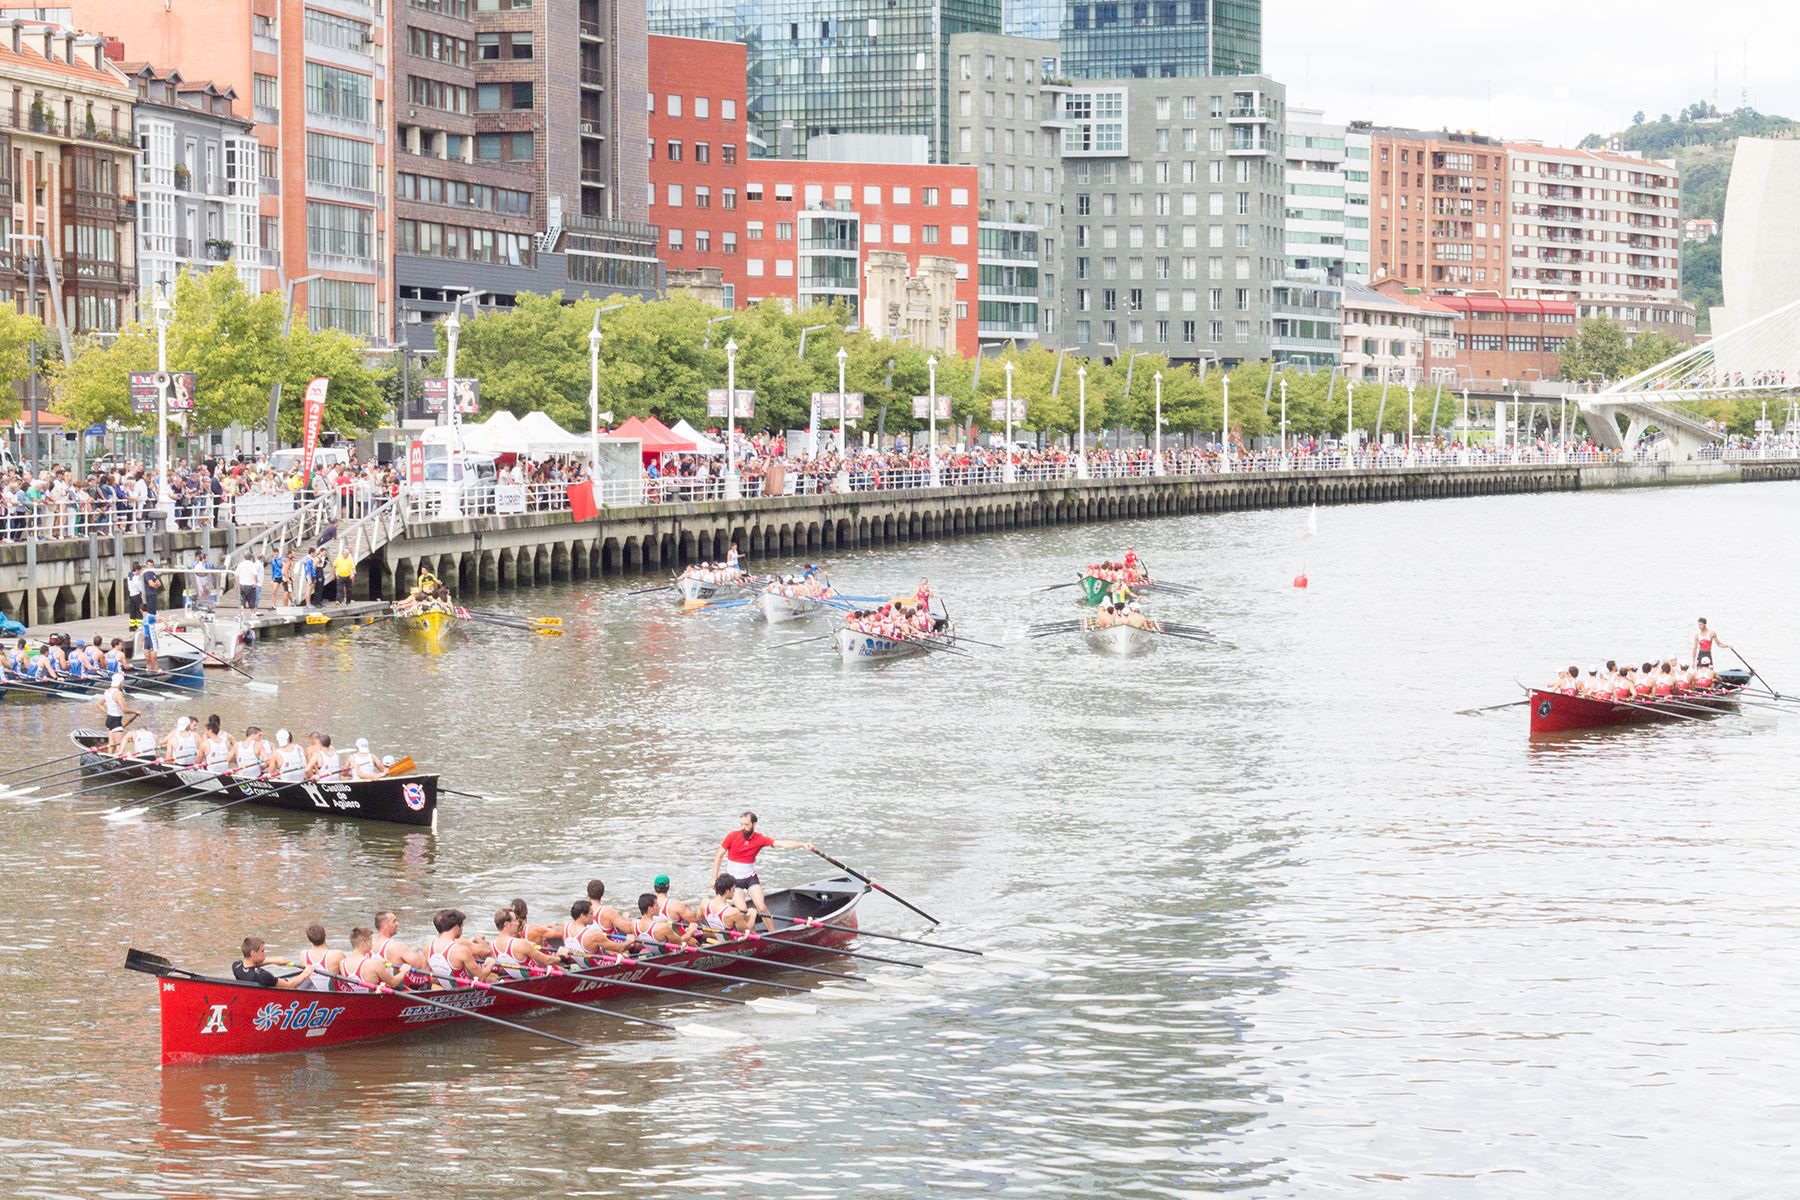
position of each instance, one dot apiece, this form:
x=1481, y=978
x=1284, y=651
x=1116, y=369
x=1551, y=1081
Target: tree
x=17, y=332
x=1637, y=118
x=1598, y=350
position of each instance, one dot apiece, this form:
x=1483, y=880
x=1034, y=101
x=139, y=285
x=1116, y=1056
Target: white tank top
x=438, y=960
x=331, y=767
x=113, y=707
x=143, y=742
x=316, y=958
x=293, y=763
x=218, y=755
x=187, y=748
x=358, y=762
x=504, y=956
x=249, y=764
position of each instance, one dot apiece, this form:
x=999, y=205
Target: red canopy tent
x=658, y=439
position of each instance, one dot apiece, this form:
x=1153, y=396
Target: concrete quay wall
x=67, y=581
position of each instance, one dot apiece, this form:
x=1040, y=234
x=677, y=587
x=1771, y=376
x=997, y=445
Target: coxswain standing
x=111, y=702
x=1704, y=640
x=737, y=854
x=318, y=957
x=250, y=968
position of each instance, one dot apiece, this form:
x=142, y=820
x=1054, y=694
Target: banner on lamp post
x=466, y=391
x=743, y=404
x=998, y=409
x=147, y=385
x=312, y=417
x=922, y=406
x=826, y=405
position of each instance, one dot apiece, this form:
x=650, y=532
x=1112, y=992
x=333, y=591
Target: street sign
x=146, y=384
x=826, y=405
x=468, y=395
x=743, y=405
x=922, y=407
x=998, y=409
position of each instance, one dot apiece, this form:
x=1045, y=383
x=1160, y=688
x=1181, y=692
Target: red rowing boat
x=206, y=1017
x=1555, y=712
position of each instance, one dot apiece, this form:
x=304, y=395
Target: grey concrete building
x=1173, y=216
x=196, y=181
x=1004, y=121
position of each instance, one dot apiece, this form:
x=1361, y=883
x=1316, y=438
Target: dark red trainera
x=205, y=1018
x=1553, y=712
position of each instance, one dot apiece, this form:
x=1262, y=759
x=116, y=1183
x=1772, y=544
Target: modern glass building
x=1032, y=18
x=1160, y=39
x=861, y=66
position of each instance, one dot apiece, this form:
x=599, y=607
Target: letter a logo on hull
x=215, y=1020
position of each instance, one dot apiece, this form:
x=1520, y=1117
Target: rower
x=216, y=747
x=607, y=918
x=362, y=763
x=1645, y=683
x=318, y=957
x=139, y=743
x=452, y=960
x=1704, y=640
x=395, y=952
x=737, y=854
x=1663, y=687
x=366, y=967
x=650, y=929
x=1570, y=681
x=116, y=657
x=112, y=703
x=512, y=951
x=250, y=968
x=674, y=910
x=286, y=762
x=538, y=934
x=1704, y=679
x=183, y=746
x=576, y=929
x=321, y=760
x=722, y=912
x=253, y=750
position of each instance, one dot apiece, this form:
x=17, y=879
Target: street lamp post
x=843, y=356
x=594, y=399
x=1225, y=422
x=931, y=414
x=1349, y=424
x=1409, y=424
x=1158, y=466
x=287, y=327
x=1081, y=462
x=731, y=475
x=1284, y=457
x=1007, y=471
x=165, y=496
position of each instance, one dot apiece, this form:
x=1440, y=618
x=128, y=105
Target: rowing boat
x=776, y=608
x=206, y=1017
x=695, y=589
x=1120, y=639
x=1555, y=712
x=432, y=624
x=178, y=669
x=1096, y=591
x=400, y=799
x=856, y=646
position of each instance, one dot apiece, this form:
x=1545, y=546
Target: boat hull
x=695, y=590
x=855, y=647
x=1553, y=712
x=1124, y=641
x=184, y=671
x=221, y=637
x=205, y=1019
x=433, y=626
x=777, y=609
x=400, y=799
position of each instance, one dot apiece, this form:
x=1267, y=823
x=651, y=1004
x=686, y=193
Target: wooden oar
x=424, y=998
x=1469, y=712
x=996, y=955
x=66, y=775
x=1057, y=587
x=761, y=1004
x=821, y=637
x=448, y=791
x=255, y=685
x=488, y=612
x=852, y=871
x=740, y=936
x=723, y=951
x=661, y=587
x=39, y=766
x=714, y=605
x=1755, y=672
x=695, y=971
x=691, y=1029
x=192, y=790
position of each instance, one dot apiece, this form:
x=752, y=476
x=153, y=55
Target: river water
x=1303, y=929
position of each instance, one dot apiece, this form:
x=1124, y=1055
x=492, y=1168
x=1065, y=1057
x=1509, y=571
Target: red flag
x=582, y=505
x=415, y=462
x=312, y=417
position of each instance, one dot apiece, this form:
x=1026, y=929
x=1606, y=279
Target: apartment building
x=1174, y=195
x=66, y=159
x=823, y=231
x=1161, y=39
x=196, y=181
x=1397, y=338
x=698, y=156
x=1005, y=122
x=317, y=76
x=855, y=66
x=1501, y=341
x=1601, y=230
x=1438, y=209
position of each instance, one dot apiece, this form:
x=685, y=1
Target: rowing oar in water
x=64, y=776
x=695, y=971
x=821, y=948
x=1057, y=586
x=1756, y=673
x=58, y=769
x=802, y=641
x=1469, y=712
x=690, y=1028
x=715, y=605
x=254, y=685
x=384, y=990
x=890, y=895
x=759, y=1003
x=996, y=955
x=521, y=626
x=723, y=950
x=181, y=791
x=530, y=620
x=661, y=587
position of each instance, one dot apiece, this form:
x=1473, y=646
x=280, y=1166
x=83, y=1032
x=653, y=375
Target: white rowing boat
x=855, y=646
x=697, y=588
x=776, y=608
x=1122, y=640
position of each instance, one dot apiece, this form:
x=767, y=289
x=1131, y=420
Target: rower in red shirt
x=737, y=854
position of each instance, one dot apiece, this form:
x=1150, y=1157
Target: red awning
x=656, y=437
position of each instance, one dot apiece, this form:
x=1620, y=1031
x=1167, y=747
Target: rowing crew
x=594, y=931
x=716, y=573
x=897, y=621
x=211, y=748
x=60, y=659
x=1652, y=681
x=809, y=586
x=1111, y=614
x=1129, y=571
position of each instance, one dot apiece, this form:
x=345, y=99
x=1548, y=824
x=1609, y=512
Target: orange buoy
x=1300, y=580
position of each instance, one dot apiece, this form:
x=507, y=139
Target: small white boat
x=221, y=637
x=776, y=608
x=1122, y=640
x=854, y=646
x=697, y=589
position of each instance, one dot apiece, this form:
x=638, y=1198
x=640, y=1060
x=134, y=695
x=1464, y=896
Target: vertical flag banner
x=313, y=417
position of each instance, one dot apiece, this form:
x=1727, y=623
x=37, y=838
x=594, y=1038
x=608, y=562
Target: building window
x=331, y=92
x=702, y=197
x=702, y=107
x=728, y=153
x=728, y=112
x=324, y=29
x=341, y=304
x=674, y=239
x=340, y=162
x=268, y=93
x=702, y=152
x=784, y=231
x=674, y=150
x=340, y=230
x=673, y=195
x=674, y=105
x=728, y=198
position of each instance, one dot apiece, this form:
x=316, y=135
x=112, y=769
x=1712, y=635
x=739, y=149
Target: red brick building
x=698, y=154
x=897, y=242
x=1437, y=209
x=1516, y=340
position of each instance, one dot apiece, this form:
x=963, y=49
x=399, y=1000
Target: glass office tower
x=1161, y=39
x=1032, y=18
x=860, y=66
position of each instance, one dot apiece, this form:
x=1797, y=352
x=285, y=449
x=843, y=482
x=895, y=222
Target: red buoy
x=1300, y=580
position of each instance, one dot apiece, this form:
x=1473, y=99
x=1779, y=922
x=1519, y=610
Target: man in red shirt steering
x=737, y=853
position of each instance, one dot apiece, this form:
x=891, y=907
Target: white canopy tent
x=545, y=437
x=702, y=443
x=535, y=436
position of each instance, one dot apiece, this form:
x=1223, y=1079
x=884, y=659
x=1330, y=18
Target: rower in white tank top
x=315, y=958
x=184, y=747
x=438, y=960
x=218, y=754
x=249, y=760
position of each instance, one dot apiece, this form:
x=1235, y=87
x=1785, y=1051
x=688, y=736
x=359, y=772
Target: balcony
x=269, y=185
x=265, y=115
x=1249, y=146
x=591, y=129
x=593, y=77
x=1250, y=112
x=342, y=263
x=264, y=44
x=1008, y=329
x=1017, y=291
x=590, y=31
x=269, y=256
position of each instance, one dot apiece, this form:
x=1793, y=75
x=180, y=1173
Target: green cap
x=660, y=881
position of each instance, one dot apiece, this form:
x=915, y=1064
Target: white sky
x=1550, y=70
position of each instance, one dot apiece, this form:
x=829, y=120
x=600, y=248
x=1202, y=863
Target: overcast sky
x=1550, y=70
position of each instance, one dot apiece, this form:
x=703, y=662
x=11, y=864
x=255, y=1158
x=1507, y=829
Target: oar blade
x=948, y=968
x=714, y=1033
x=786, y=1008
x=1009, y=956
x=266, y=689
x=14, y=792
x=832, y=991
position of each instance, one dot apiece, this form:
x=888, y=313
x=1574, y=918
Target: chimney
x=69, y=47
x=115, y=49
x=18, y=38
x=49, y=45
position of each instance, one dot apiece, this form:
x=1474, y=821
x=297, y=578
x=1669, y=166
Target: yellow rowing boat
x=433, y=623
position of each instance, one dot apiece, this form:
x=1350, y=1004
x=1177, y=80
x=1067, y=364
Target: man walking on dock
x=249, y=581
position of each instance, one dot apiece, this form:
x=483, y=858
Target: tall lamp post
x=1284, y=456
x=1157, y=467
x=1007, y=472
x=931, y=415
x=1409, y=424
x=594, y=390
x=843, y=356
x=1349, y=424
x=287, y=328
x=1081, y=462
x=731, y=474
x=165, y=497
x=1225, y=420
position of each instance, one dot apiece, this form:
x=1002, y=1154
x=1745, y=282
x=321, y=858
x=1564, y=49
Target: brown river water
x=1301, y=930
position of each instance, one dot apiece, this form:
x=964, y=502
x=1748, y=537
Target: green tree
x=17, y=332
x=1598, y=350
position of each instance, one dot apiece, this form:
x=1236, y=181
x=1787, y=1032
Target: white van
x=469, y=479
x=326, y=457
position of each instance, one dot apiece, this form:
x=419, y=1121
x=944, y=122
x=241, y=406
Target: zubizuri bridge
x=527, y=536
